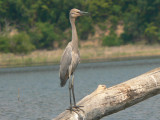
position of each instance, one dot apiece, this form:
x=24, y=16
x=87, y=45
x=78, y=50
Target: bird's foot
x=75, y=108
x=71, y=109
x=78, y=108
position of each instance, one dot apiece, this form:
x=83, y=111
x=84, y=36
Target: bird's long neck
x=74, y=35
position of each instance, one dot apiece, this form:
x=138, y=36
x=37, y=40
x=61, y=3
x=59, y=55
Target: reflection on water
x=42, y=98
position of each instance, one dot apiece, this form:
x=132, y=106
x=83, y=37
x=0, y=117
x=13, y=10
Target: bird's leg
x=70, y=95
x=72, y=86
x=73, y=90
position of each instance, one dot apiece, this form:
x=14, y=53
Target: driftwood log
x=105, y=101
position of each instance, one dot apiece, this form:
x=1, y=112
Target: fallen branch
x=105, y=101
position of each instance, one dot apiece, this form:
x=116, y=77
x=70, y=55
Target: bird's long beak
x=83, y=13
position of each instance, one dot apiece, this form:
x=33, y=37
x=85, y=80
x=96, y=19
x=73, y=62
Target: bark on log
x=105, y=101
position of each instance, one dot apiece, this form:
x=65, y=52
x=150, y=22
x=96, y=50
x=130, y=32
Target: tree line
x=42, y=23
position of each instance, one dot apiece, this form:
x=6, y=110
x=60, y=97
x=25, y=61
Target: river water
x=42, y=98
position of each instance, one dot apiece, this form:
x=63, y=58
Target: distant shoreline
x=88, y=54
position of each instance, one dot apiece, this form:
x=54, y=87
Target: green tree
x=112, y=39
x=138, y=15
x=85, y=27
x=4, y=44
x=43, y=35
x=99, y=9
x=20, y=44
x=151, y=33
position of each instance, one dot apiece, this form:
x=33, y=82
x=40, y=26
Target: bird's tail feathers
x=63, y=81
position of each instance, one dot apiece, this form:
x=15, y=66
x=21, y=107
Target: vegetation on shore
x=88, y=54
x=36, y=32
x=27, y=25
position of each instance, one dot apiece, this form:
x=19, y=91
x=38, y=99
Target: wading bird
x=71, y=58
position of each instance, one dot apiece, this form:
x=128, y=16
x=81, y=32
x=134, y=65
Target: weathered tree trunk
x=105, y=101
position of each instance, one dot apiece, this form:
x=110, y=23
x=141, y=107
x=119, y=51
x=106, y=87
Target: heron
x=71, y=58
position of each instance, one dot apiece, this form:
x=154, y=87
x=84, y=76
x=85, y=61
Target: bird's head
x=74, y=13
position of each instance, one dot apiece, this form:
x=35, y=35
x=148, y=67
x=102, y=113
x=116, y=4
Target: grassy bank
x=88, y=54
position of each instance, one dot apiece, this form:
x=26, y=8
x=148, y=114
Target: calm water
x=42, y=98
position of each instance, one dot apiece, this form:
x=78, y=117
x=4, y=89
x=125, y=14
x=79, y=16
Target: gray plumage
x=68, y=64
x=70, y=58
